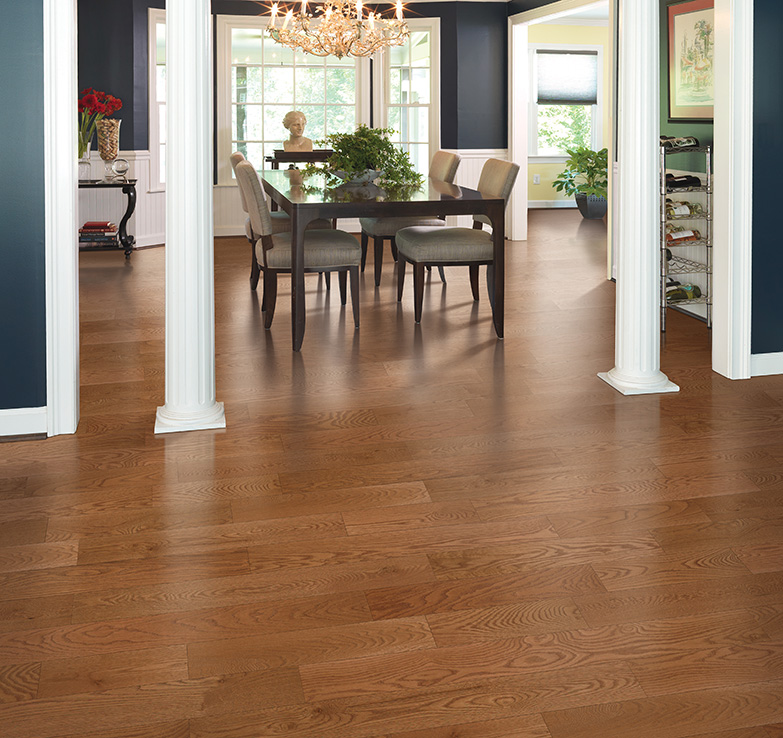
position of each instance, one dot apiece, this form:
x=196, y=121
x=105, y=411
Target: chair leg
x=400, y=278
x=342, y=278
x=328, y=280
x=364, y=240
x=442, y=274
x=474, y=280
x=270, y=297
x=394, y=248
x=418, y=291
x=491, y=285
x=378, y=244
x=354, y=273
x=255, y=270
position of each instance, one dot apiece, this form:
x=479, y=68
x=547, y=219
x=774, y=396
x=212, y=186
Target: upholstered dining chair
x=281, y=222
x=472, y=247
x=325, y=250
x=444, y=167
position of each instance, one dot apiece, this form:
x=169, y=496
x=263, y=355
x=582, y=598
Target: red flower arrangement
x=93, y=105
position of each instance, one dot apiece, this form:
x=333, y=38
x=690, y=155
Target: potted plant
x=364, y=156
x=585, y=177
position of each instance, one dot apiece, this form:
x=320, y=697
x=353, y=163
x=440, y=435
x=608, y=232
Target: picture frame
x=691, y=27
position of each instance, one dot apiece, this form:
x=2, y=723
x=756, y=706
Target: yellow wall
x=553, y=34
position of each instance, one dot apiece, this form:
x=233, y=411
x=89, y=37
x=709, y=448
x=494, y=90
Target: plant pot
x=592, y=207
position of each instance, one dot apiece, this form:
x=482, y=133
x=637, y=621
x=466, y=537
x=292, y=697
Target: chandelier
x=340, y=29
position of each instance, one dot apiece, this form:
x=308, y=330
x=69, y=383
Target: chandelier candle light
x=341, y=30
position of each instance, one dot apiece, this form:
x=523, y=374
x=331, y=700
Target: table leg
x=298, y=225
x=126, y=240
x=498, y=216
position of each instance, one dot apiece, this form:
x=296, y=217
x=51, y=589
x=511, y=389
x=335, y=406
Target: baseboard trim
x=762, y=365
x=23, y=421
x=550, y=204
x=153, y=239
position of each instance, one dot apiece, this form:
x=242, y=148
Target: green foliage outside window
x=563, y=127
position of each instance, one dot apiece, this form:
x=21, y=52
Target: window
x=565, y=110
x=259, y=81
x=157, y=98
x=410, y=94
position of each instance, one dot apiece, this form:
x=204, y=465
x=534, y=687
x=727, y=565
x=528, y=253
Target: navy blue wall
x=22, y=276
x=473, y=94
x=767, y=309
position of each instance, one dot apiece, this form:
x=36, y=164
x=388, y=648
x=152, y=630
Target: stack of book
x=98, y=233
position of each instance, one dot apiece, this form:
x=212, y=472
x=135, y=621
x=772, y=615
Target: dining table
x=308, y=198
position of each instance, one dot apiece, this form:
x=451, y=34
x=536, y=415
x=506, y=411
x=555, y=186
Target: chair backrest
x=235, y=158
x=444, y=166
x=258, y=210
x=496, y=180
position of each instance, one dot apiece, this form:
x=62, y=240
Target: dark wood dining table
x=312, y=199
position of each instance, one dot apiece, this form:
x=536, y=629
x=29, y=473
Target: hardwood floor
x=405, y=531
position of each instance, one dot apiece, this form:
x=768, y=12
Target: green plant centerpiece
x=586, y=178
x=366, y=156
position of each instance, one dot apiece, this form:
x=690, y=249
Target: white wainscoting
x=23, y=421
x=762, y=365
x=148, y=222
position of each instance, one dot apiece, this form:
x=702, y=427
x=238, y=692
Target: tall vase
x=108, y=144
x=85, y=168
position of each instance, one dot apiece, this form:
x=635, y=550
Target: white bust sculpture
x=295, y=122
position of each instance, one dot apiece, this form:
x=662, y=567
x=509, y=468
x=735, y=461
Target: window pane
x=420, y=86
x=160, y=43
x=341, y=86
x=247, y=123
x=160, y=83
x=246, y=84
x=274, y=53
x=418, y=127
x=279, y=84
x=162, y=123
x=420, y=157
x=420, y=48
x=395, y=122
x=562, y=127
x=246, y=45
x=340, y=118
x=309, y=85
x=400, y=55
x=162, y=160
x=273, y=124
x=316, y=123
x=254, y=153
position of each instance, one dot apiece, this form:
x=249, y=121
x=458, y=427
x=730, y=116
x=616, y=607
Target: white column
x=62, y=256
x=190, y=314
x=637, y=321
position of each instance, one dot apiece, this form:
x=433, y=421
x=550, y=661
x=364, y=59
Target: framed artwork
x=691, y=55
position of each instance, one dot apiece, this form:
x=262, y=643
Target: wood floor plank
x=372, y=547
x=249, y=588
x=86, y=639
x=468, y=594
x=333, y=501
x=37, y=556
x=402, y=518
x=176, y=729
x=739, y=531
x=690, y=598
x=111, y=671
x=208, y=538
x=472, y=663
x=497, y=560
x=35, y=613
x=255, y=653
x=152, y=703
x=361, y=717
x=505, y=621
x=673, y=716
x=524, y=726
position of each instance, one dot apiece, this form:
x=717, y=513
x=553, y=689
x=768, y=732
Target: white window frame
x=381, y=82
x=598, y=108
x=154, y=16
x=225, y=24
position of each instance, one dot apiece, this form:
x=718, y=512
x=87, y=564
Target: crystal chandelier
x=340, y=29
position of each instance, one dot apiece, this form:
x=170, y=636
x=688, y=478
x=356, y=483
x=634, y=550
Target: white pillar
x=637, y=322
x=190, y=299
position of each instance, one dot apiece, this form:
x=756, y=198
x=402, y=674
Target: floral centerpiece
x=364, y=156
x=94, y=105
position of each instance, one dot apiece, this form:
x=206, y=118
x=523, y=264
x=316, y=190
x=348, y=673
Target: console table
x=128, y=187
x=297, y=157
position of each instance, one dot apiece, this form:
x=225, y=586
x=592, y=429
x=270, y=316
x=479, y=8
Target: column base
x=658, y=383
x=167, y=421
